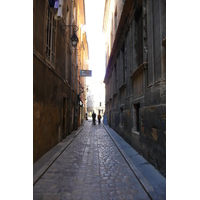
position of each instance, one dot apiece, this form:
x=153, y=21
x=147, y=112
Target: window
x=124, y=61
x=50, y=38
x=139, y=35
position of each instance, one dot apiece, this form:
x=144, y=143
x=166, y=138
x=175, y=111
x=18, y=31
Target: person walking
x=99, y=118
x=94, y=117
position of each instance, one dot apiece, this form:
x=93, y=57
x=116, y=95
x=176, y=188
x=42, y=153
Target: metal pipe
x=70, y=71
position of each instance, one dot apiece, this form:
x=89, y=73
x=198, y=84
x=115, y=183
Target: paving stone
x=91, y=167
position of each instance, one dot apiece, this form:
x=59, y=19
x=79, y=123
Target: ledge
x=142, y=67
x=136, y=132
x=115, y=94
x=122, y=105
x=122, y=86
x=137, y=100
x=156, y=84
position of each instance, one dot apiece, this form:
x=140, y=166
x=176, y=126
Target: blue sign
x=85, y=72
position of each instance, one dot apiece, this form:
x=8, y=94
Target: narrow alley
x=108, y=59
x=91, y=167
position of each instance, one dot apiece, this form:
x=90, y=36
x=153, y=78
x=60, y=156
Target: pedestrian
x=86, y=116
x=99, y=118
x=94, y=117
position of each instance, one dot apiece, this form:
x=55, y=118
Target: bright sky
x=94, y=20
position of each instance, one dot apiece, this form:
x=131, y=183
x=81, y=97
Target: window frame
x=124, y=62
x=50, y=43
x=139, y=36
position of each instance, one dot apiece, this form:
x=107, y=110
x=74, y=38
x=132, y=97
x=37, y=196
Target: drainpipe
x=70, y=71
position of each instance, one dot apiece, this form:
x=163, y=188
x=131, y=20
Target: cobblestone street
x=91, y=167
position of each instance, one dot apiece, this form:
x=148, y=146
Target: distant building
x=96, y=98
x=56, y=67
x=135, y=76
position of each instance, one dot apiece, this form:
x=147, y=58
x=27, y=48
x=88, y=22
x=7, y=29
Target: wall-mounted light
x=74, y=38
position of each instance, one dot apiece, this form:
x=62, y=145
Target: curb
x=39, y=174
x=143, y=181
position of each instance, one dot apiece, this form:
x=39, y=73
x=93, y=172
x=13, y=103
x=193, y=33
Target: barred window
x=50, y=38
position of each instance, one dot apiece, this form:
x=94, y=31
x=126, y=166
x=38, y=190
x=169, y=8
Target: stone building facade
x=83, y=57
x=56, y=64
x=136, y=75
x=96, y=98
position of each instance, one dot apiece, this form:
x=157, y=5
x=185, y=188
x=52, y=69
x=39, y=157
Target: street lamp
x=74, y=40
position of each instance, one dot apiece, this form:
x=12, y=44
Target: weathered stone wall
x=138, y=112
x=48, y=94
x=51, y=88
x=153, y=130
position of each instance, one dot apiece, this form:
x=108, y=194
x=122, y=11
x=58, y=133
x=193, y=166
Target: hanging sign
x=85, y=72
